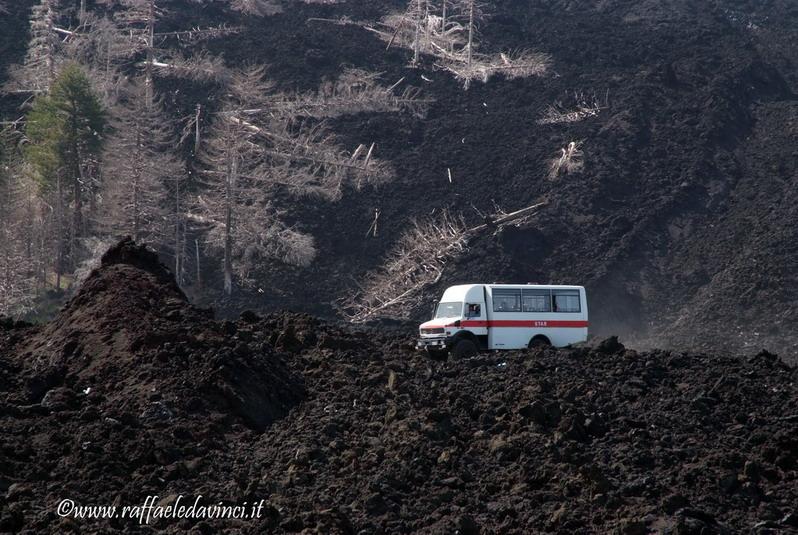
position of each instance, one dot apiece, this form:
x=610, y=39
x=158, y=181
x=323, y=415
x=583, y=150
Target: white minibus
x=474, y=317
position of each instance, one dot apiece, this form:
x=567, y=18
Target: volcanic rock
x=126, y=402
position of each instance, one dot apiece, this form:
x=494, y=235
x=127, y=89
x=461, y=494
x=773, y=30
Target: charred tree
x=233, y=207
x=38, y=70
x=141, y=173
x=18, y=225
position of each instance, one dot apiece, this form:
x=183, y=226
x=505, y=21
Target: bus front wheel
x=436, y=354
x=464, y=349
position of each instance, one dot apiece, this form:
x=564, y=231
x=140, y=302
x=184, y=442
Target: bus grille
x=435, y=330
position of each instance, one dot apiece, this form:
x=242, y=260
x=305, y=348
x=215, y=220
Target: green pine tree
x=65, y=137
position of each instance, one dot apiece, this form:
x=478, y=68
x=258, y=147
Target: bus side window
x=536, y=300
x=506, y=300
x=565, y=301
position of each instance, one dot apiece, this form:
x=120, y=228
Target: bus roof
x=463, y=292
x=530, y=285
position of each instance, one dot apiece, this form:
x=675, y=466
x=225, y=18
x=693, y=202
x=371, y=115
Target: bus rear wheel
x=464, y=349
x=539, y=342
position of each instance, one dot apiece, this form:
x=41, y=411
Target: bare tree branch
x=481, y=68
x=196, y=34
x=417, y=261
x=260, y=8
x=576, y=107
x=198, y=67
x=450, y=33
x=355, y=91
x=570, y=161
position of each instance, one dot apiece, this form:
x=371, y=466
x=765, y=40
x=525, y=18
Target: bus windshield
x=449, y=310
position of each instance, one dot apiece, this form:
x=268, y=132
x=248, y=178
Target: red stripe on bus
x=524, y=323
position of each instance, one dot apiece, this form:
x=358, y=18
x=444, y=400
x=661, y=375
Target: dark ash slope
x=682, y=224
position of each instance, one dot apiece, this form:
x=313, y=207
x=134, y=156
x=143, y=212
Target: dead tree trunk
x=507, y=218
x=197, y=129
x=417, y=42
x=148, y=74
x=59, y=207
x=199, y=266
x=178, y=243
x=443, y=17
x=228, y=238
x=470, y=33
x=77, y=209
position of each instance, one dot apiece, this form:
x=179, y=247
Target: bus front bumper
x=440, y=343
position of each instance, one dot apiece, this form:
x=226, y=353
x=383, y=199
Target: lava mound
x=130, y=341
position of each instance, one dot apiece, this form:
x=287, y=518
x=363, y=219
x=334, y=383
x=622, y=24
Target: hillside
x=682, y=222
